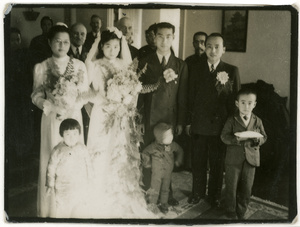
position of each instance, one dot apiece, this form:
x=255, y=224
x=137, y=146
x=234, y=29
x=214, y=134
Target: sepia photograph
x=150, y=113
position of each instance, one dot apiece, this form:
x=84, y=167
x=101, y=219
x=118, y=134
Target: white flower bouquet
x=223, y=83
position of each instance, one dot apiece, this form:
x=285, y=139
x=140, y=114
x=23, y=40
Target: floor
x=20, y=202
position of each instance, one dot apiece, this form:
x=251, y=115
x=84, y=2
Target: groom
x=164, y=101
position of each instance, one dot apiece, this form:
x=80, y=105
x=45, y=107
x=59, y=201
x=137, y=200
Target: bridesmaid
x=57, y=80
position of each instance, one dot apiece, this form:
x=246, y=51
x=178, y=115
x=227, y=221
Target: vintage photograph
x=150, y=114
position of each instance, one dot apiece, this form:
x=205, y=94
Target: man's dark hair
x=69, y=124
x=46, y=18
x=199, y=33
x=95, y=16
x=164, y=25
x=215, y=34
x=152, y=27
x=245, y=91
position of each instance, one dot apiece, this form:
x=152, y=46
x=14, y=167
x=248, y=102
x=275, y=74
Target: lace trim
x=151, y=87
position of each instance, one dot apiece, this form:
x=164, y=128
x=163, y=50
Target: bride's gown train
x=115, y=191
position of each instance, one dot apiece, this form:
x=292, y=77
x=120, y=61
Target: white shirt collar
x=161, y=56
x=246, y=121
x=96, y=34
x=74, y=49
x=215, y=65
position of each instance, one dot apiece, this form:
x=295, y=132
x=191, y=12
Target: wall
x=267, y=56
x=30, y=29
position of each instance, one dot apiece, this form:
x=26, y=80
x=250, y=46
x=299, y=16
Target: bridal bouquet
x=122, y=92
x=223, y=83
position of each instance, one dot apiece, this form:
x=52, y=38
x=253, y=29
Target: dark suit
x=133, y=51
x=82, y=55
x=208, y=112
x=145, y=50
x=168, y=103
x=86, y=109
x=90, y=38
x=240, y=162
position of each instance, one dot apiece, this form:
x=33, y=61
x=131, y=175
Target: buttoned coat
x=237, y=152
x=168, y=103
x=209, y=110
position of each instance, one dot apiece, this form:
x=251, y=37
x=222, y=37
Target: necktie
x=163, y=62
x=245, y=117
x=77, y=55
x=212, y=68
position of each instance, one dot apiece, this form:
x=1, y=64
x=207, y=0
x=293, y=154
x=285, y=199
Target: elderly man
x=78, y=36
x=199, y=39
x=125, y=25
x=77, y=50
x=96, y=24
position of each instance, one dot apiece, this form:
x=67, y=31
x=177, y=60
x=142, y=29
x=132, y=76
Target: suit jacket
x=237, y=151
x=133, y=51
x=89, y=41
x=82, y=56
x=209, y=110
x=145, y=50
x=169, y=102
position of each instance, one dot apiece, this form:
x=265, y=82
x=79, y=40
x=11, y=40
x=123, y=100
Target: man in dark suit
x=78, y=51
x=199, y=46
x=78, y=37
x=165, y=89
x=125, y=26
x=96, y=24
x=150, y=39
x=213, y=85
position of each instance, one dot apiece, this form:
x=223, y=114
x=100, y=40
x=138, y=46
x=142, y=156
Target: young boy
x=242, y=154
x=159, y=156
x=68, y=170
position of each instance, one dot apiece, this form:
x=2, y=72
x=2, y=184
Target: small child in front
x=160, y=156
x=242, y=155
x=69, y=170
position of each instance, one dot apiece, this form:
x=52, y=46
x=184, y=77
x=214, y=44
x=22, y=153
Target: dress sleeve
x=38, y=94
x=52, y=166
x=146, y=156
x=98, y=82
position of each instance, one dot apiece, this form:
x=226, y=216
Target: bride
x=113, y=138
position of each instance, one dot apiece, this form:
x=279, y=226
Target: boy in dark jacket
x=243, y=134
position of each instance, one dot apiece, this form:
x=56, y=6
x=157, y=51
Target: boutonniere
x=223, y=83
x=170, y=75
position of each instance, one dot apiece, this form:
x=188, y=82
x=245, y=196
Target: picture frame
x=234, y=29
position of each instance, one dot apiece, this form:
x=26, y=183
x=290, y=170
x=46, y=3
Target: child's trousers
x=160, y=183
x=238, y=186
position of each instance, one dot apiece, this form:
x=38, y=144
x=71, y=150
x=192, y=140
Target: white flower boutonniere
x=223, y=83
x=170, y=75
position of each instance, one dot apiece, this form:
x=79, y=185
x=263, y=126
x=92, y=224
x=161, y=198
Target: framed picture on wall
x=234, y=29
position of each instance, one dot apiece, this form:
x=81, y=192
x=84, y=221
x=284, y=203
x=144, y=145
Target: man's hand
x=179, y=130
x=188, y=130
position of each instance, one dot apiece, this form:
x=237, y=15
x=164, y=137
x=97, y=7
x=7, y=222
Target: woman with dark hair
x=58, y=82
x=113, y=138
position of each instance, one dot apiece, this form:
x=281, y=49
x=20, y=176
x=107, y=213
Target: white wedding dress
x=115, y=191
